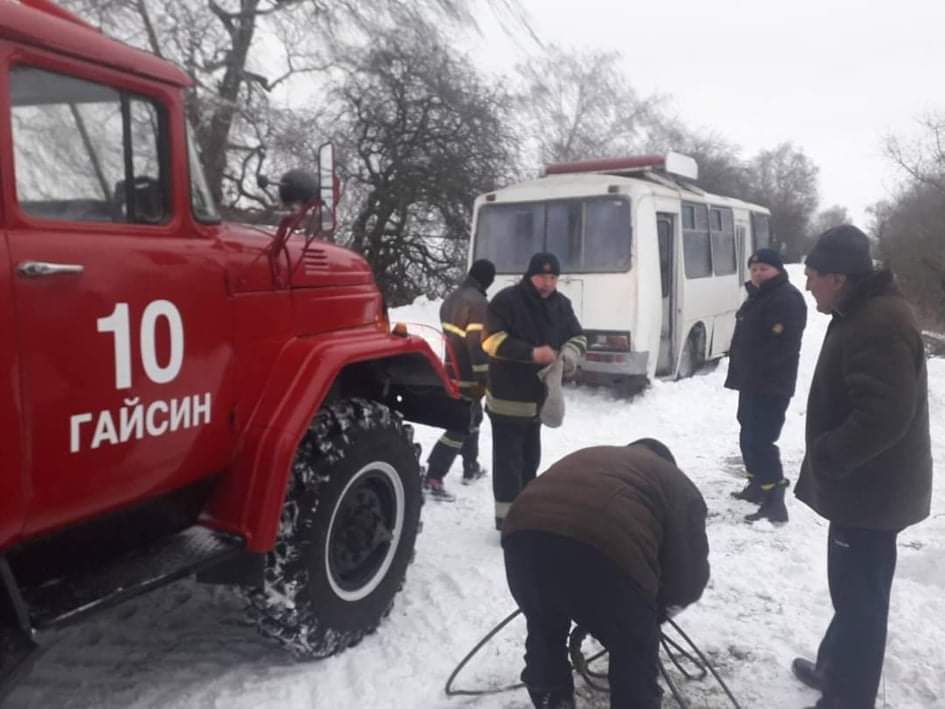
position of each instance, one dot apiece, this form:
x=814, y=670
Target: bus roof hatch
x=672, y=163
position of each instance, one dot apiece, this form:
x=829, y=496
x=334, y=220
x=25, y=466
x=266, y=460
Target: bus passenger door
x=664, y=233
x=741, y=248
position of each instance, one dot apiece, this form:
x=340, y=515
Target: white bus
x=654, y=265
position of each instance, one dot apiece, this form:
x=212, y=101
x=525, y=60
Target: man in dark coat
x=614, y=539
x=463, y=317
x=868, y=465
x=762, y=366
x=528, y=326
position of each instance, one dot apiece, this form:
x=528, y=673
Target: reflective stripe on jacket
x=463, y=317
x=519, y=320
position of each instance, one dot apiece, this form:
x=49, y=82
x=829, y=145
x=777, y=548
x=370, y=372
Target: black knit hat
x=483, y=271
x=842, y=249
x=543, y=262
x=768, y=256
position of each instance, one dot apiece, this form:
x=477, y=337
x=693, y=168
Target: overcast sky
x=833, y=76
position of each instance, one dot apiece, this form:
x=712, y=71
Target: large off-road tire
x=347, y=531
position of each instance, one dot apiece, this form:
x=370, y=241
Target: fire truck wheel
x=347, y=530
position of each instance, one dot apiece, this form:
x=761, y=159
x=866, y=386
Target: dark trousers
x=516, y=455
x=556, y=580
x=860, y=568
x=453, y=443
x=761, y=417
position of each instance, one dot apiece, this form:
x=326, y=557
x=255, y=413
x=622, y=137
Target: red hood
x=251, y=268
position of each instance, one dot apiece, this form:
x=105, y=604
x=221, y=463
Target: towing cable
x=580, y=664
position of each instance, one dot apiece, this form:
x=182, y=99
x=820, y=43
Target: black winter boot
x=554, y=699
x=772, y=506
x=752, y=492
x=806, y=671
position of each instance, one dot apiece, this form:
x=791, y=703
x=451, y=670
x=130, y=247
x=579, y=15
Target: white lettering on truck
x=135, y=420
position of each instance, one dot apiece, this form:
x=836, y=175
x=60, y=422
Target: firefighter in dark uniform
x=463, y=316
x=762, y=366
x=528, y=326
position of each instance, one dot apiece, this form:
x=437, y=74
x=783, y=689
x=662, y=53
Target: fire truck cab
x=181, y=395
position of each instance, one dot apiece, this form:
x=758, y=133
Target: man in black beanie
x=463, y=316
x=762, y=367
x=528, y=326
x=868, y=464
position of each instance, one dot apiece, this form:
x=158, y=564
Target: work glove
x=570, y=356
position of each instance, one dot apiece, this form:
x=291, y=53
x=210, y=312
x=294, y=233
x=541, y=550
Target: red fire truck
x=180, y=395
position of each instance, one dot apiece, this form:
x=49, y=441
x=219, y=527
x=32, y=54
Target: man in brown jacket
x=868, y=466
x=614, y=539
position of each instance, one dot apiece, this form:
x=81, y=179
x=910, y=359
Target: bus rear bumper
x=614, y=364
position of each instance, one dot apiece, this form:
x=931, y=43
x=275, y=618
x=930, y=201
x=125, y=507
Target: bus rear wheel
x=693, y=354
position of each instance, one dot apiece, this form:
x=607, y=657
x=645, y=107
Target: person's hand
x=543, y=355
x=667, y=612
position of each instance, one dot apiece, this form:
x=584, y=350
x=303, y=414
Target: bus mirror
x=326, y=183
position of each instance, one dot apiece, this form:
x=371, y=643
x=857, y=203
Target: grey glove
x=552, y=410
x=570, y=356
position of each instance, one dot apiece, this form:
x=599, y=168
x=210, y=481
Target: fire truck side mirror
x=326, y=182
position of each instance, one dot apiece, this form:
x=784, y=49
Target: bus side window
x=697, y=253
x=760, y=231
x=723, y=241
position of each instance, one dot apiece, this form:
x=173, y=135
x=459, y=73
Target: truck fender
x=248, y=500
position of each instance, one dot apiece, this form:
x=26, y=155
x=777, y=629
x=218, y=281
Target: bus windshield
x=590, y=235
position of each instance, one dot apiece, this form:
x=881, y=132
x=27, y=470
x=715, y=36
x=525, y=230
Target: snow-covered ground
x=188, y=646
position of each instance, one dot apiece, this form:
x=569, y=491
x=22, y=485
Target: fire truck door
x=121, y=316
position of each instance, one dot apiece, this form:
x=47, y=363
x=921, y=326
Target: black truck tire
x=347, y=531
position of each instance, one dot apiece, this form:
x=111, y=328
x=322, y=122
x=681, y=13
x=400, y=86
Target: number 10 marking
x=118, y=324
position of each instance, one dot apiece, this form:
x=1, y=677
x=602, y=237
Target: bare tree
x=911, y=225
x=911, y=233
x=785, y=180
x=826, y=219
x=239, y=52
x=922, y=158
x=721, y=168
x=579, y=105
x=425, y=136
